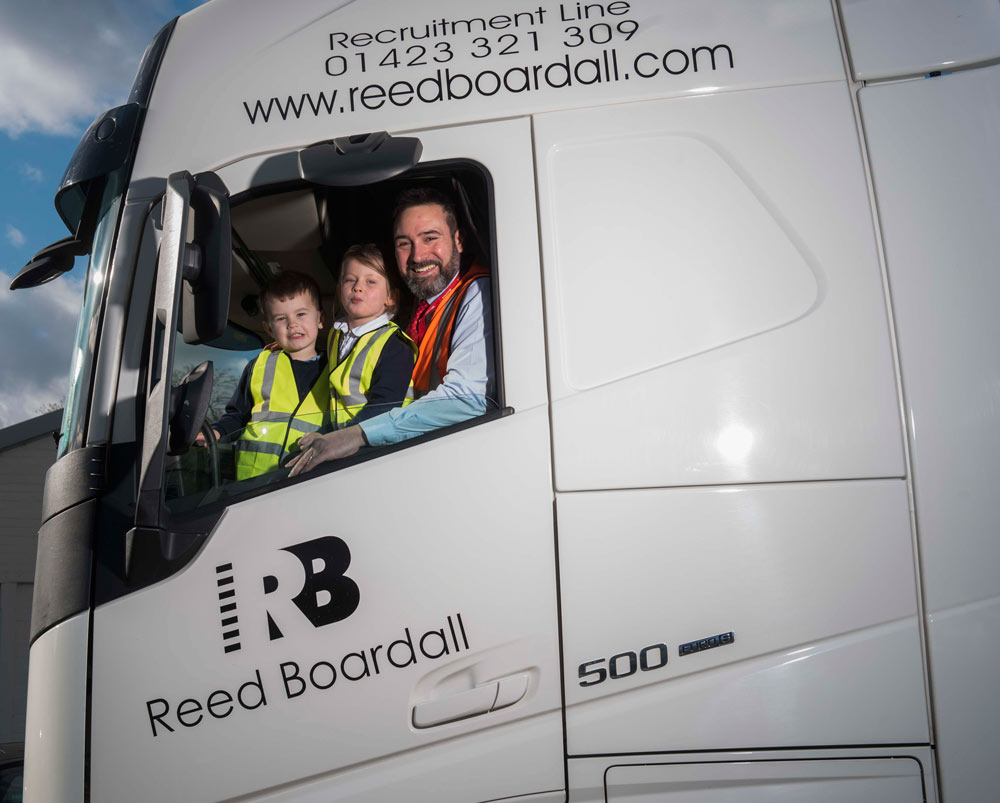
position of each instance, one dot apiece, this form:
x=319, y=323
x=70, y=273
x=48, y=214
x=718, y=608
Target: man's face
x=427, y=252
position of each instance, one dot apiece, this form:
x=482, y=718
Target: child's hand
x=272, y=347
x=316, y=449
x=202, y=441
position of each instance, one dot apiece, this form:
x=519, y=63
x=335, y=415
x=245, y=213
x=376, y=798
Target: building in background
x=26, y=452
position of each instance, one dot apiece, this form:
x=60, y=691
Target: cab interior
x=306, y=228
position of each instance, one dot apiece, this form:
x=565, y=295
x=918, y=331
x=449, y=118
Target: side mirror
x=208, y=261
x=104, y=148
x=188, y=407
x=49, y=263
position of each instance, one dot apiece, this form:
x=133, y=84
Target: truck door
x=384, y=630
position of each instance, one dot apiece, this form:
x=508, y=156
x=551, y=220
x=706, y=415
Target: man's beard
x=428, y=287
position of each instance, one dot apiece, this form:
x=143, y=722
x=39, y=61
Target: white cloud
x=38, y=94
x=61, y=64
x=39, y=324
x=14, y=236
x=31, y=173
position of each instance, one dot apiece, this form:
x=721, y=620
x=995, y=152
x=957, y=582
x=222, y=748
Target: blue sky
x=62, y=62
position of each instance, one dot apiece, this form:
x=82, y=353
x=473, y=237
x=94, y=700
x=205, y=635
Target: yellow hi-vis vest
x=278, y=419
x=352, y=377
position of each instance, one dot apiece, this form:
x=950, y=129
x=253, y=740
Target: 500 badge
x=626, y=664
x=623, y=665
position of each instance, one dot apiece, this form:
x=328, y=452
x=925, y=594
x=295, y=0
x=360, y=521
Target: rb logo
x=326, y=595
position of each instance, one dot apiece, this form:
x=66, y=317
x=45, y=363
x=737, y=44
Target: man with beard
x=453, y=376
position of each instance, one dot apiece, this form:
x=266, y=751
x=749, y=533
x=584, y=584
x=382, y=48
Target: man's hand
x=316, y=449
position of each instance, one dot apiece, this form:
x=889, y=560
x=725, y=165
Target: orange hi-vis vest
x=435, y=347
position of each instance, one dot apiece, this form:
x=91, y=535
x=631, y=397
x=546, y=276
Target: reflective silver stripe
x=409, y=393
x=266, y=416
x=267, y=385
x=263, y=447
x=354, y=393
x=304, y=426
x=332, y=344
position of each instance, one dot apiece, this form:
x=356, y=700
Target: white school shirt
x=349, y=336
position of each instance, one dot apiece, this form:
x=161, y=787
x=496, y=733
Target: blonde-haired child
x=371, y=358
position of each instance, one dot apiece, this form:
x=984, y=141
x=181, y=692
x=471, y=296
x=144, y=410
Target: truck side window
x=308, y=229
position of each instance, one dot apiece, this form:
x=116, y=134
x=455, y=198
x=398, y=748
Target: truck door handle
x=482, y=699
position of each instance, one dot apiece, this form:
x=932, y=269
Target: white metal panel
x=936, y=170
x=884, y=780
x=815, y=580
x=715, y=305
x=353, y=67
x=890, y=38
x=56, y=733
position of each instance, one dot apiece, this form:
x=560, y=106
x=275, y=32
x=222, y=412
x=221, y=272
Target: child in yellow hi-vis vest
x=283, y=394
x=371, y=358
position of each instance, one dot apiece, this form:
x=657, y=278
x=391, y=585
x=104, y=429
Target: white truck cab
x=725, y=533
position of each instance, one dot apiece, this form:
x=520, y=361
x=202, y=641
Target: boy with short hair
x=283, y=394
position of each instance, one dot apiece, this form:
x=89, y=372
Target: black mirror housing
x=49, y=263
x=208, y=262
x=104, y=148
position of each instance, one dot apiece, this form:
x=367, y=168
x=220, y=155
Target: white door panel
x=525, y=744
x=715, y=304
x=813, y=582
x=372, y=630
x=460, y=601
